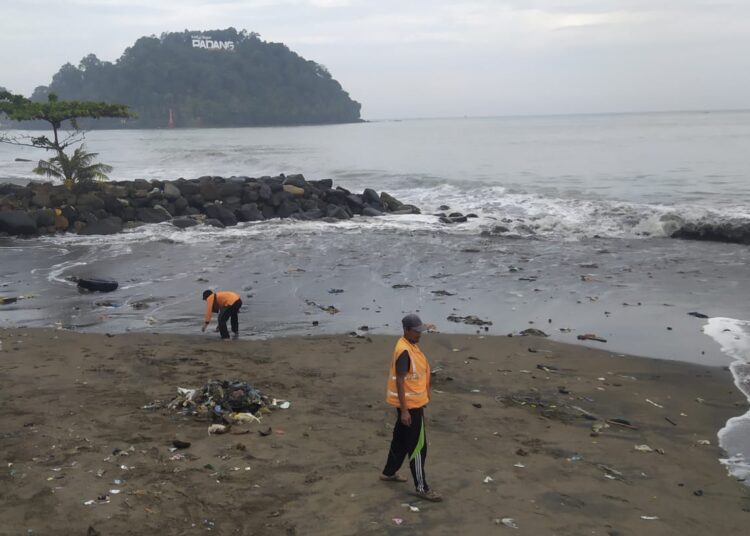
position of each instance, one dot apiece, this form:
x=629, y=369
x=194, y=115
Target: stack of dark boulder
x=110, y=207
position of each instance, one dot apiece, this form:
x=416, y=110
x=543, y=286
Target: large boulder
x=17, y=222
x=264, y=192
x=187, y=188
x=339, y=213
x=45, y=217
x=372, y=198
x=249, y=212
x=323, y=184
x=171, y=192
x=105, y=226
x=89, y=202
x=42, y=198
x=156, y=214
x=231, y=188
x=287, y=208
x=297, y=180
x=180, y=204
x=61, y=223
x=308, y=215
x=184, y=222
x=208, y=188
x=369, y=211
x=296, y=191
x=218, y=212
x=390, y=202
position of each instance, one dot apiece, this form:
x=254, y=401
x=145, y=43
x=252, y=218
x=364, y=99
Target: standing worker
x=227, y=304
x=409, y=392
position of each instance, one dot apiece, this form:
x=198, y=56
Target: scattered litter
x=590, y=337
x=178, y=444
x=410, y=507
x=654, y=403
x=699, y=400
x=697, y=314
x=218, y=429
x=225, y=402
x=471, y=320
x=488, y=479
x=507, y=521
x=533, y=332
x=397, y=520
x=703, y=442
x=650, y=518
x=330, y=309
x=622, y=422
x=243, y=417
x=335, y=291
x=643, y=448
x=670, y=421
x=519, y=465
x=177, y=457
x=114, y=491
x=610, y=473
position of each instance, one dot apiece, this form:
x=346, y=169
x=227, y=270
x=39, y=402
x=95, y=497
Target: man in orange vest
x=409, y=392
x=227, y=304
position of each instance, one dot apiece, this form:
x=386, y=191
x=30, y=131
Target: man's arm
x=209, y=311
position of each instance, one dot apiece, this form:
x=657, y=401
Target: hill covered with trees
x=220, y=78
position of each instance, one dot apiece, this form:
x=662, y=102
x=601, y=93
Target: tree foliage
x=80, y=166
x=257, y=83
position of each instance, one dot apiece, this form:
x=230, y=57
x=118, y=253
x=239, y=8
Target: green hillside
x=217, y=78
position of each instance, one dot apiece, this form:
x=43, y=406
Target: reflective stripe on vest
x=416, y=381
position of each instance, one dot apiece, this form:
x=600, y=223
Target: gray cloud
x=436, y=57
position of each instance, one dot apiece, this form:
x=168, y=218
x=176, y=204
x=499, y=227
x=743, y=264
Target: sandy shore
x=69, y=400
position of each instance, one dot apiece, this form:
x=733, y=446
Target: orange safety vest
x=219, y=300
x=416, y=381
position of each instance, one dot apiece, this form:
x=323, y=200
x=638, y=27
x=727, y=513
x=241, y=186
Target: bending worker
x=227, y=304
x=409, y=392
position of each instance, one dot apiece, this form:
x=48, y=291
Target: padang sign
x=205, y=41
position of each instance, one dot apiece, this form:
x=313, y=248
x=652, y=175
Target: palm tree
x=76, y=169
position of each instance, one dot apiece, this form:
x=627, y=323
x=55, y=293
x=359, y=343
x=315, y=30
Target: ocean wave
x=734, y=338
x=496, y=212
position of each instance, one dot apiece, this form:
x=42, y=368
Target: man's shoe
x=430, y=495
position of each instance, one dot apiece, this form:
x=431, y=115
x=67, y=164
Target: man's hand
x=205, y=325
x=405, y=417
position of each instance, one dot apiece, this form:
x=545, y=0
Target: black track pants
x=225, y=314
x=409, y=441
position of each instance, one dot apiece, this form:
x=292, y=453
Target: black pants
x=409, y=441
x=229, y=312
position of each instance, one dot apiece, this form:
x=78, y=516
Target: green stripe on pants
x=420, y=442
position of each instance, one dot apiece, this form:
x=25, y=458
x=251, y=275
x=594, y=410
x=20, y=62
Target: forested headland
x=217, y=78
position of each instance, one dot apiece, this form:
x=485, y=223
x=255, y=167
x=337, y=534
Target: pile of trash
x=226, y=401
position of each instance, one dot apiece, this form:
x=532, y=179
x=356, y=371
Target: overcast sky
x=434, y=58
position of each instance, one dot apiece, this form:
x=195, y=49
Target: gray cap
x=413, y=322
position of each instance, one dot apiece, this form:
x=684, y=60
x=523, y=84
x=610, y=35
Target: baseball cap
x=413, y=322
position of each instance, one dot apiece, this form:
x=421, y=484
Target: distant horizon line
x=559, y=114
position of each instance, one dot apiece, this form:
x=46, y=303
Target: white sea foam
x=734, y=338
x=521, y=214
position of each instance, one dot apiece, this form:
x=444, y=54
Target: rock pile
x=107, y=208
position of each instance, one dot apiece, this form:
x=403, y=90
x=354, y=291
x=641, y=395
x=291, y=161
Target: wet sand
x=69, y=400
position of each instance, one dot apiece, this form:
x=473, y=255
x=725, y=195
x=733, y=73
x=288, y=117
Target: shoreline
x=72, y=398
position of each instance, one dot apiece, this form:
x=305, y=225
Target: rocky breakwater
x=110, y=207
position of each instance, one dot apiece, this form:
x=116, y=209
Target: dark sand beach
x=507, y=439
